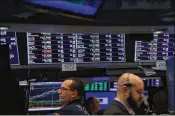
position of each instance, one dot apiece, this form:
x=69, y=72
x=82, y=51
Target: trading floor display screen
x=159, y=49
x=44, y=96
x=112, y=86
x=97, y=86
x=148, y=82
x=10, y=39
x=48, y=48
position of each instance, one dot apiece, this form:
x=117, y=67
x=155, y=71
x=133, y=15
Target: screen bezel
x=65, y=12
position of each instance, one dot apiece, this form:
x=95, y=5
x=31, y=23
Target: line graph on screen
x=44, y=97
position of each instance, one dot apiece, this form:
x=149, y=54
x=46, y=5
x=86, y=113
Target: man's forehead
x=66, y=83
x=140, y=86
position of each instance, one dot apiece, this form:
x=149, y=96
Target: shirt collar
x=126, y=106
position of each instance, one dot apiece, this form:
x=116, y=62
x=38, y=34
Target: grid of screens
x=47, y=48
x=159, y=49
x=43, y=96
x=10, y=39
x=81, y=7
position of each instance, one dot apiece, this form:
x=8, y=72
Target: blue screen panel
x=105, y=98
x=82, y=7
x=44, y=96
x=10, y=39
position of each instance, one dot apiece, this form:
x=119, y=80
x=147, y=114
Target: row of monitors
x=48, y=48
x=44, y=96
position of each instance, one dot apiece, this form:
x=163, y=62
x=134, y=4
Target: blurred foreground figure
x=92, y=105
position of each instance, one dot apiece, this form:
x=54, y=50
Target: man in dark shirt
x=71, y=93
x=129, y=95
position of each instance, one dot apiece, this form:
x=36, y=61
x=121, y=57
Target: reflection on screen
x=83, y=7
x=44, y=96
x=105, y=98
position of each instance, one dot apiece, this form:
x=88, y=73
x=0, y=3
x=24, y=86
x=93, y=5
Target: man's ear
x=125, y=89
x=75, y=94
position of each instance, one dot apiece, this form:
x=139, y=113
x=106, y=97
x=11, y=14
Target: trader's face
x=96, y=104
x=65, y=93
x=135, y=97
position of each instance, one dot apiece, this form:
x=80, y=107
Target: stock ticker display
x=112, y=86
x=97, y=86
x=47, y=48
x=10, y=39
x=44, y=96
x=159, y=49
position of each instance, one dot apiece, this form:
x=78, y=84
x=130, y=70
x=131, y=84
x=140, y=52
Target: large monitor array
x=82, y=48
x=159, y=49
x=47, y=48
x=10, y=39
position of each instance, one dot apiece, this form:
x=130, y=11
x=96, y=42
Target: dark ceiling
x=12, y=11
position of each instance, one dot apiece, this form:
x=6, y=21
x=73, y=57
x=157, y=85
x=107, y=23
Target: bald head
x=130, y=89
x=129, y=77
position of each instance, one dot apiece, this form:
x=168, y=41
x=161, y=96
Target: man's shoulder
x=115, y=108
x=74, y=109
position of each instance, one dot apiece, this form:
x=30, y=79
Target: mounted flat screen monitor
x=80, y=48
x=75, y=7
x=43, y=96
x=9, y=38
x=159, y=49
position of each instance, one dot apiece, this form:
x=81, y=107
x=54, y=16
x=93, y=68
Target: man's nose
x=59, y=91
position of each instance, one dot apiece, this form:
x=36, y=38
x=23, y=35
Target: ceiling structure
x=114, y=12
x=86, y=29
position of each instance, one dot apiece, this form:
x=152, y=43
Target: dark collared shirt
x=73, y=108
x=126, y=106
